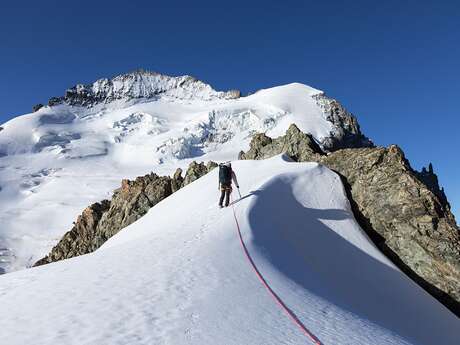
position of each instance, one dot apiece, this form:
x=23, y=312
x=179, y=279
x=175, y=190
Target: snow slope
x=169, y=279
x=60, y=159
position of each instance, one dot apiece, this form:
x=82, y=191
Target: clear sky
x=394, y=64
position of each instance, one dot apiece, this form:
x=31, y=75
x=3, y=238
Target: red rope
x=283, y=306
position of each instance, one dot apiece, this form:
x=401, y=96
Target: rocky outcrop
x=233, y=94
x=406, y=220
x=296, y=144
x=102, y=220
x=429, y=178
x=194, y=172
x=211, y=165
x=131, y=201
x=346, y=133
x=177, y=180
x=78, y=240
x=55, y=101
x=37, y=107
x=397, y=208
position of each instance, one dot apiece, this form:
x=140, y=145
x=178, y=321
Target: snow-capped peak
x=141, y=84
x=127, y=126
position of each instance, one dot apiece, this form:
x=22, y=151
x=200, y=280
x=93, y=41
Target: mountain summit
x=140, y=84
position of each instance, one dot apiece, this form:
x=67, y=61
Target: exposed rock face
x=296, y=144
x=347, y=133
x=233, y=94
x=140, y=84
x=402, y=215
x=211, y=165
x=79, y=239
x=131, y=201
x=55, y=101
x=37, y=107
x=194, y=172
x=429, y=178
x=177, y=180
x=408, y=222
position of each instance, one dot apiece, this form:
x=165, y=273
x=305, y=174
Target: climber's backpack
x=225, y=174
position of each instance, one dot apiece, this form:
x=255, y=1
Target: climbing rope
x=278, y=300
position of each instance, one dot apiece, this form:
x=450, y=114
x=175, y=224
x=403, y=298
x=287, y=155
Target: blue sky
x=394, y=64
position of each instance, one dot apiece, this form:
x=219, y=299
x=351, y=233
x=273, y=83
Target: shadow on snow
x=299, y=245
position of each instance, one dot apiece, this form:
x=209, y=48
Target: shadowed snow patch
x=55, y=139
x=56, y=118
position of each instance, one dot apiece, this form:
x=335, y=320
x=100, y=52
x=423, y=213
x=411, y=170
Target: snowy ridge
x=74, y=153
x=185, y=280
x=141, y=84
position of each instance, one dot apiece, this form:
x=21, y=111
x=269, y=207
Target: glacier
x=75, y=151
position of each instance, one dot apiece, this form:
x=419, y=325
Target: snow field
x=86, y=152
x=179, y=276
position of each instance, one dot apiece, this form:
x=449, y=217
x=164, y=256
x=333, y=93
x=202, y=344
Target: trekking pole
x=239, y=192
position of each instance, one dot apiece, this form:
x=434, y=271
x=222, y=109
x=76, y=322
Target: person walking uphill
x=226, y=176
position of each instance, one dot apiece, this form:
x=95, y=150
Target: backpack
x=225, y=174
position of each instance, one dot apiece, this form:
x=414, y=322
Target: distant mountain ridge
x=139, y=84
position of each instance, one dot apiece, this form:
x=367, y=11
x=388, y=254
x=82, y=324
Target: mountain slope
x=77, y=150
x=173, y=280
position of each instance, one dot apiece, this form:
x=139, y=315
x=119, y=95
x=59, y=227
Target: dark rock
x=81, y=95
x=410, y=223
x=55, y=101
x=430, y=179
x=37, y=107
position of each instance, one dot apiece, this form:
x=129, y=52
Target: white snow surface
x=179, y=276
x=60, y=159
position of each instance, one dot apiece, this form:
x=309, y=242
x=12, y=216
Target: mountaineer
x=226, y=176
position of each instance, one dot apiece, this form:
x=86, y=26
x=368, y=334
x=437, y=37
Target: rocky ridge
x=401, y=210
x=132, y=200
x=136, y=85
x=347, y=133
